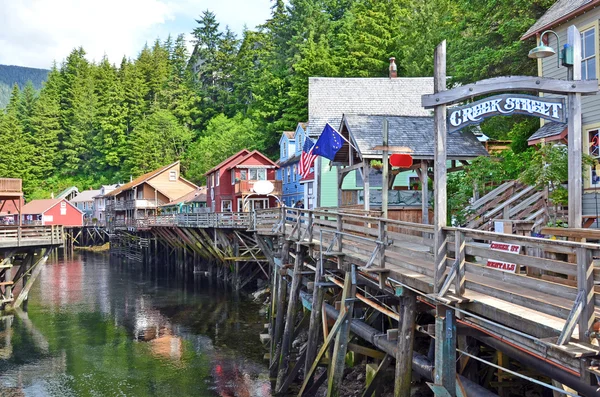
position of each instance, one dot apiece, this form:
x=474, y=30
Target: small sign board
x=500, y=265
x=552, y=109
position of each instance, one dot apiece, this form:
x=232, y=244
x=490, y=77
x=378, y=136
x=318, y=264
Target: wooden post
x=340, y=181
x=585, y=283
x=459, y=252
x=440, y=208
x=315, y=318
x=290, y=322
x=574, y=137
x=366, y=184
x=336, y=368
x=424, y=193
x=385, y=161
x=445, y=349
x=405, y=344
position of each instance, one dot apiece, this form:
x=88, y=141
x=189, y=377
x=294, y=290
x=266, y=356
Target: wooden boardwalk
x=30, y=236
x=521, y=307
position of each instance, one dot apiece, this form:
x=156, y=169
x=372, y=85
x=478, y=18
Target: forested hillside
x=11, y=75
x=98, y=122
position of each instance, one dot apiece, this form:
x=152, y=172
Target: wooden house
x=11, y=200
x=51, y=212
x=412, y=135
x=230, y=184
x=585, y=15
x=290, y=150
x=99, y=215
x=85, y=202
x=192, y=203
x=140, y=198
x=329, y=98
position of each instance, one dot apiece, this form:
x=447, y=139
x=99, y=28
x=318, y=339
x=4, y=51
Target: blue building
x=290, y=149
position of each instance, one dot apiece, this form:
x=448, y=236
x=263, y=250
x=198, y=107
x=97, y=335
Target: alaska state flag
x=329, y=143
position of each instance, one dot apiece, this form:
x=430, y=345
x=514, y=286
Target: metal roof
x=413, y=133
x=548, y=130
x=331, y=97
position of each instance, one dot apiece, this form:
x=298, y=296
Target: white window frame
x=284, y=150
x=172, y=175
x=233, y=176
x=258, y=172
x=586, y=59
x=218, y=175
x=212, y=180
x=223, y=206
x=588, y=140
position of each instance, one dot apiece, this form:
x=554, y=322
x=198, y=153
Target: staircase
x=511, y=200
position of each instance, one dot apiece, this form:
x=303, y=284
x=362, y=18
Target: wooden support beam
x=574, y=137
x=37, y=268
x=445, y=351
x=375, y=383
x=404, y=356
x=286, y=343
x=336, y=368
x=315, y=318
x=424, y=193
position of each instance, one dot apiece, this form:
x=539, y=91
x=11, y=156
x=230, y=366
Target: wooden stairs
x=511, y=200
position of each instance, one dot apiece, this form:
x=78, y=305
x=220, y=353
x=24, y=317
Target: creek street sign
x=552, y=109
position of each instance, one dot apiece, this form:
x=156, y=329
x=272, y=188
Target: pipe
x=543, y=367
x=420, y=364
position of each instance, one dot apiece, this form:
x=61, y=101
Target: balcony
x=245, y=187
x=11, y=187
x=115, y=205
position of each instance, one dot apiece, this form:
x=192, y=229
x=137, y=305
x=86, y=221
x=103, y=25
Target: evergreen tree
x=26, y=106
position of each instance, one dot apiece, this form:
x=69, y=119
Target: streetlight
x=570, y=56
x=544, y=51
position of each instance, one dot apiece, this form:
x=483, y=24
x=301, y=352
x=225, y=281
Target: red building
x=51, y=212
x=231, y=184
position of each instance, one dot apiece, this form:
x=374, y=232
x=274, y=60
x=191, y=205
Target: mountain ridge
x=20, y=75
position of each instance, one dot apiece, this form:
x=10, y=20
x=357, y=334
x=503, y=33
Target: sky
x=35, y=33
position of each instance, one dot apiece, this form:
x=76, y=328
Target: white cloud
x=36, y=32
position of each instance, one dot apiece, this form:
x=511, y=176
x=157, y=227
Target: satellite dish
x=263, y=187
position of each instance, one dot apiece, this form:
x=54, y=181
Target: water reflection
x=97, y=329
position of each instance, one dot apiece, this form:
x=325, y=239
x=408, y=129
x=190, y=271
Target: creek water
x=96, y=326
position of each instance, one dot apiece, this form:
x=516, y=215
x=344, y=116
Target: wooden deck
x=30, y=236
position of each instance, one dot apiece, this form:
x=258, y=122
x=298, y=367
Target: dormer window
x=284, y=150
x=173, y=175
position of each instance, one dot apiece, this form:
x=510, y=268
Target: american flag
x=307, y=158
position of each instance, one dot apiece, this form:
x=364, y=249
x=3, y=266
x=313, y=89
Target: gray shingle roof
x=415, y=133
x=547, y=130
x=557, y=11
x=330, y=97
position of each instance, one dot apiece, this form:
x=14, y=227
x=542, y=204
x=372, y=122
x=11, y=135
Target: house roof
x=139, y=180
x=559, y=12
x=35, y=207
x=329, y=98
x=548, y=131
x=242, y=152
x=249, y=155
x=67, y=191
x=303, y=124
x=86, y=195
x=291, y=160
x=414, y=133
x=198, y=195
x=308, y=178
x=290, y=134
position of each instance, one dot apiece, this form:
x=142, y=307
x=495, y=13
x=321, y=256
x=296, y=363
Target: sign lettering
x=552, y=109
x=503, y=247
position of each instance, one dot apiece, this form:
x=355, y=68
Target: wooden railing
x=481, y=266
x=241, y=220
x=14, y=236
x=10, y=185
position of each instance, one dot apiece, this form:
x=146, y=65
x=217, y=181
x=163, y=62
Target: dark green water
x=96, y=327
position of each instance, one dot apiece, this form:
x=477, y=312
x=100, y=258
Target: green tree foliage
x=223, y=137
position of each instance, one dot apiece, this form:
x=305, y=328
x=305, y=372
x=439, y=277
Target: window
x=243, y=175
x=173, y=175
x=212, y=180
x=300, y=143
x=284, y=150
x=289, y=172
x=140, y=194
x=226, y=206
x=218, y=176
x=594, y=151
x=588, y=54
x=258, y=174
x=295, y=173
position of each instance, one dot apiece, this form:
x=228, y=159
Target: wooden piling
x=406, y=336
x=315, y=318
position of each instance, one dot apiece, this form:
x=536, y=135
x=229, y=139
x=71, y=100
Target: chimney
x=393, y=68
